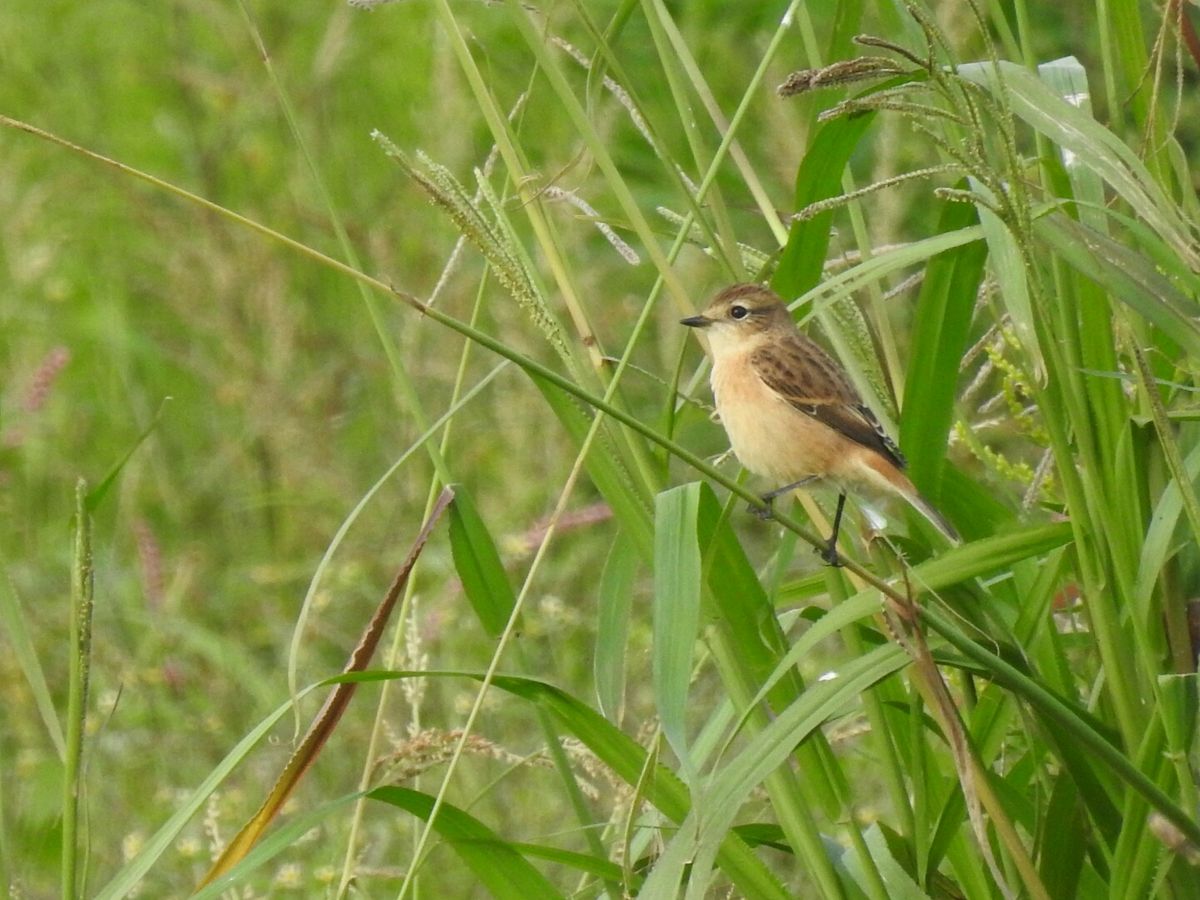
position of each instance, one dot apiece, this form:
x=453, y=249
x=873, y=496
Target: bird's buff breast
x=768, y=436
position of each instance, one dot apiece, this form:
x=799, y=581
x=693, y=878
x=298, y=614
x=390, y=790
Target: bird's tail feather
x=875, y=470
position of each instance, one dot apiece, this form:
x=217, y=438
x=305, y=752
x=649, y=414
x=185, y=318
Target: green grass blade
x=945, y=307
x=991, y=555
x=1160, y=544
x=747, y=643
x=1062, y=842
x=974, y=509
x=818, y=178
x=601, y=868
x=24, y=650
x=742, y=606
x=97, y=494
x=496, y=863
x=981, y=558
x=884, y=264
x=1060, y=715
x=1007, y=264
x=845, y=614
x=898, y=882
x=478, y=565
x=773, y=745
x=1068, y=79
x=676, y=611
x=615, y=602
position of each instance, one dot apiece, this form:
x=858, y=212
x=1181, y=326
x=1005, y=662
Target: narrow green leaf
x=1062, y=842
x=1008, y=268
x=980, y=558
x=1159, y=544
x=763, y=834
x=941, y=327
x=603, y=869
x=900, y=885
x=881, y=265
x=612, y=626
x=1068, y=79
x=818, y=178
x=949, y=825
x=990, y=555
x=478, y=565
x=847, y=24
x=496, y=863
x=676, y=610
x=971, y=506
x=612, y=746
x=21, y=644
x=1164, y=259
x=97, y=494
x=756, y=639
x=743, y=609
x=848, y=612
x=748, y=641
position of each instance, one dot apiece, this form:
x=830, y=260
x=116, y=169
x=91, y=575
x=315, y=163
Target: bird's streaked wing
x=807, y=377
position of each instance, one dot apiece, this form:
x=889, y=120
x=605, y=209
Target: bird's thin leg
x=829, y=553
x=769, y=497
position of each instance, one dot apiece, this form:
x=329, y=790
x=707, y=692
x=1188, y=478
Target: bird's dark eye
x=738, y=312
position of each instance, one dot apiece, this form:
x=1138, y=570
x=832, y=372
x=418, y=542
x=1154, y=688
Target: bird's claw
x=766, y=512
x=829, y=555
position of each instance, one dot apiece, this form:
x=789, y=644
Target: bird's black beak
x=696, y=321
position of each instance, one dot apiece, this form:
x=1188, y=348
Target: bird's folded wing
x=806, y=377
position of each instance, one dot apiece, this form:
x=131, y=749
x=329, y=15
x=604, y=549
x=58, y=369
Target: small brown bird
x=790, y=411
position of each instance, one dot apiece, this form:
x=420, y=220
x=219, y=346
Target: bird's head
x=742, y=313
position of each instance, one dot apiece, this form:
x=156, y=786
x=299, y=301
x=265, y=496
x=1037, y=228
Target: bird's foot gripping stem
x=829, y=554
